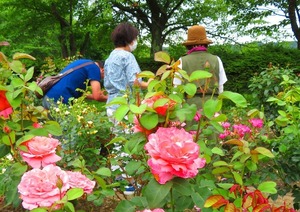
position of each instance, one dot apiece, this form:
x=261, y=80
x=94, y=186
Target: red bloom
x=160, y=103
x=5, y=107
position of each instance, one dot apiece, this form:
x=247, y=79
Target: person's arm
x=222, y=76
x=97, y=93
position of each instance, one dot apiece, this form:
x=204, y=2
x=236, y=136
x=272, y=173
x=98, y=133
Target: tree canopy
x=71, y=27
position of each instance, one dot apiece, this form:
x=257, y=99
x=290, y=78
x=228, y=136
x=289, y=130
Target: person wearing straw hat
x=197, y=58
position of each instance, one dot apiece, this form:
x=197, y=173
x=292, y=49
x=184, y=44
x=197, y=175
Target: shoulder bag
x=49, y=81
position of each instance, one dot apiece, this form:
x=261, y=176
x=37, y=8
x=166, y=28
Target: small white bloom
x=57, y=109
x=67, y=113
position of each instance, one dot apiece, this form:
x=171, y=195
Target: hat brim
x=196, y=42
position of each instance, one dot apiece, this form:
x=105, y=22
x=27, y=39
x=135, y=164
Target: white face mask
x=133, y=46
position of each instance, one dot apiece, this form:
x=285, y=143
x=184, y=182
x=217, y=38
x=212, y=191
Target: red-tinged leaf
x=220, y=203
x=212, y=200
x=247, y=202
x=230, y=208
x=262, y=208
x=235, y=142
x=161, y=70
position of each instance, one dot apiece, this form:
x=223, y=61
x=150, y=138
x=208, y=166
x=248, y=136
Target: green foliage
x=18, y=127
x=244, y=62
x=266, y=84
x=287, y=142
x=86, y=130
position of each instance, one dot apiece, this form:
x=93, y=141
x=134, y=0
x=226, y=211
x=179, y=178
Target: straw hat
x=196, y=36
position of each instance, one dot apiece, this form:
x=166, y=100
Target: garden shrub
x=209, y=168
x=286, y=144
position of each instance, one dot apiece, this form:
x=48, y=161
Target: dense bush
x=241, y=62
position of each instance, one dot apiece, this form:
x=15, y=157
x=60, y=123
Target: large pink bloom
x=173, y=153
x=78, y=180
x=41, y=151
x=39, y=188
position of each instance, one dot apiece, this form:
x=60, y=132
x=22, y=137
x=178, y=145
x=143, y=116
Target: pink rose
x=257, y=123
x=41, y=151
x=154, y=210
x=173, y=153
x=241, y=130
x=78, y=180
x=39, y=188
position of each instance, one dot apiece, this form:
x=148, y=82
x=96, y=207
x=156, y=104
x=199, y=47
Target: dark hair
x=124, y=34
x=100, y=63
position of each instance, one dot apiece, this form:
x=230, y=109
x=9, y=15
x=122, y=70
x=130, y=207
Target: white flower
x=57, y=109
x=67, y=113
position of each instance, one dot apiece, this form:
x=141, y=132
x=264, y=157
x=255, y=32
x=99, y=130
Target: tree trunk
x=156, y=40
x=293, y=10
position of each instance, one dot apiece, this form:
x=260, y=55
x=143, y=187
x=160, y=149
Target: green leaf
x=196, y=75
x=182, y=186
x=225, y=186
x=251, y=166
x=74, y=193
x=190, y=89
x=211, y=107
x=29, y=74
x=146, y=74
x=165, y=75
x=118, y=101
x=268, y=187
x=218, y=151
x=104, y=171
x=39, y=210
x=220, y=163
x=264, y=152
x=140, y=202
x=18, y=169
x=4, y=150
x=237, y=98
x=155, y=193
x=69, y=207
x=220, y=170
x=53, y=128
x=137, y=110
x=132, y=167
x=162, y=56
x=16, y=66
x=121, y=112
x=160, y=102
x=237, y=178
x=23, y=139
x=125, y=206
x=149, y=121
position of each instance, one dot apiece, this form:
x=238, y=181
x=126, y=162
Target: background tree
x=253, y=17
x=164, y=19
x=70, y=26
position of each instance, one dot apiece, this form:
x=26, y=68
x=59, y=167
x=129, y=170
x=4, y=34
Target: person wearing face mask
x=121, y=66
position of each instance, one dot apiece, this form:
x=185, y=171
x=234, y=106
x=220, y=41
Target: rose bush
x=162, y=161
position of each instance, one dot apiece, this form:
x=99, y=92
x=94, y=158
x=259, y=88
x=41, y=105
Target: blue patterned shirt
x=120, y=71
